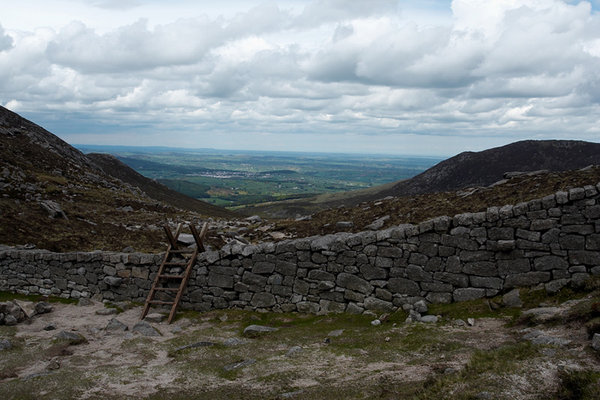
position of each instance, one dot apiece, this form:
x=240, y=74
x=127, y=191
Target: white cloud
x=508, y=69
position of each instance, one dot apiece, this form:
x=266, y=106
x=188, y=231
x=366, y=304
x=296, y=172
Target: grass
x=10, y=296
x=578, y=385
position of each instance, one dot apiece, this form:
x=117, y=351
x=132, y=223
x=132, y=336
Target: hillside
x=463, y=170
x=57, y=198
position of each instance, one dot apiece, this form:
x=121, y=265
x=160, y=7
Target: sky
x=419, y=77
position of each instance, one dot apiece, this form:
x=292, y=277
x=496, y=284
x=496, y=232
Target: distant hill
x=55, y=197
x=463, y=170
x=486, y=167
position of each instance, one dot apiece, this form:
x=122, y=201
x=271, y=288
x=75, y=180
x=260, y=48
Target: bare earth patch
x=299, y=360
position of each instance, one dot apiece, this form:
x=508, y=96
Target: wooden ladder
x=186, y=258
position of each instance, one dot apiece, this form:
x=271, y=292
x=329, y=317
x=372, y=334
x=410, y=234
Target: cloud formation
x=499, y=70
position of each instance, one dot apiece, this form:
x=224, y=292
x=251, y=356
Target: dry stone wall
x=553, y=241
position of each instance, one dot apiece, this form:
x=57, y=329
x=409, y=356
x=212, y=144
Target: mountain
x=458, y=172
x=486, y=167
x=55, y=197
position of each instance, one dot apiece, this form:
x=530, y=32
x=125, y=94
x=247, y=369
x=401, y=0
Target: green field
x=237, y=178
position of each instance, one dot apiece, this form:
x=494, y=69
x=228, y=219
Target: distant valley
x=235, y=179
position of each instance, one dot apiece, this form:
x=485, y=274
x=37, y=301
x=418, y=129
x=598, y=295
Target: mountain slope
x=55, y=197
x=486, y=167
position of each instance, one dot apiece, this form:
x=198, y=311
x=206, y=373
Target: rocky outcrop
x=553, y=241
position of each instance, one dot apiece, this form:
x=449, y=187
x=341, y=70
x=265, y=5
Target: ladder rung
x=171, y=276
x=182, y=251
x=160, y=302
x=166, y=289
x=176, y=263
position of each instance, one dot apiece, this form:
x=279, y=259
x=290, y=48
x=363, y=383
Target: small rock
x=420, y=307
x=342, y=225
x=459, y=322
x=42, y=307
x=431, y=319
x=53, y=365
x=50, y=327
x=378, y=223
x=327, y=340
x=5, y=344
x=596, y=342
x=240, y=364
x=72, y=337
x=337, y=332
x=293, y=351
x=512, y=299
x=107, y=311
x=10, y=320
x=128, y=249
x=376, y=322
x=254, y=219
x=116, y=325
x=257, y=330
x=113, y=280
x=53, y=209
x=387, y=339
x=155, y=317
x=145, y=329
x=471, y=321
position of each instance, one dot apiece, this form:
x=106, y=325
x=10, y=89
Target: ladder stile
x=163, y=276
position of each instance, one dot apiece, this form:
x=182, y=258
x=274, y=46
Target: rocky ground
x=473, y=350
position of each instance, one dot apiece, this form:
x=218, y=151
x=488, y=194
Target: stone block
x=319, y=275
x=308, y=307
x=353, y=282
x=592, y=242
x=369, y=272
x=375, y=304
x=436, y=287
x=486, y=282
x=263, y=268
x=301, y=287
x=542, y=224
x=584, y=257
x=418, y=274
x=262, y=300
x=548, y=263
x=501, y=233
x=457, y=280
x=222, y=281
x=327, y=306
x=403, y=286
x=515, y=266
x=439, y=298
x=465, y=294
x=481, y=268
x=250, y=278
x=526, y=279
